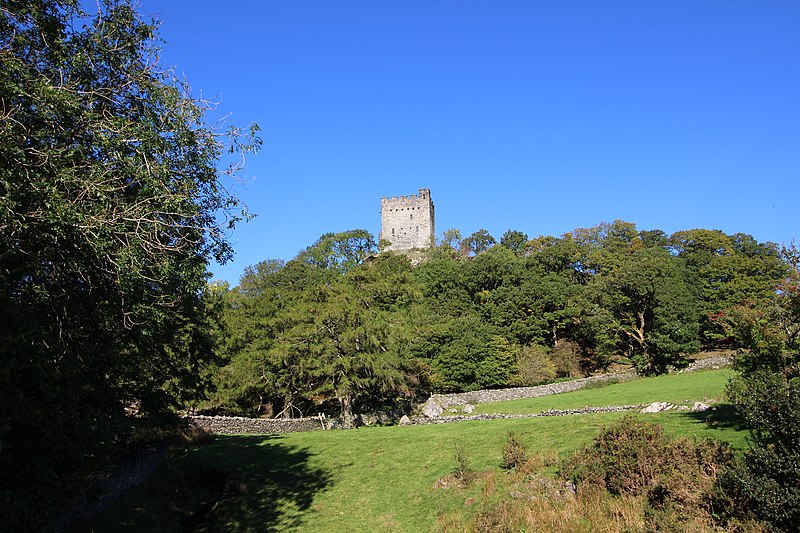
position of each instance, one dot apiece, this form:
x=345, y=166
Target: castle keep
x=407, y=222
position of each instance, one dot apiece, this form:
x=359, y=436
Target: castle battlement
x=423, y=194
x=408, y=222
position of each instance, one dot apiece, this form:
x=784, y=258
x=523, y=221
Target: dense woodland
x=114, y=199
x=343, y=329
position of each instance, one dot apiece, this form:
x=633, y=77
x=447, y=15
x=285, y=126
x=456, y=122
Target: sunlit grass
x=382, y=479
x=680, y=389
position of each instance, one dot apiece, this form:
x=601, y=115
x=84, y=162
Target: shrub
x=565, y=360
x=625, y=458
x=462, y=472
x=194, y=436
x=766, y=483
x=534, y=367
x=636, y=458
x=515, y=453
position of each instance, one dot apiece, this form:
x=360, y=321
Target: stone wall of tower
x=407, y=222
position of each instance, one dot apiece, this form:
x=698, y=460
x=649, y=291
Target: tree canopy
x=112, y=203
x=366, y=333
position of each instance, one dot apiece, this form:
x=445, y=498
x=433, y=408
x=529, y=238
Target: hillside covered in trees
x=342, y=329
x=115, y=199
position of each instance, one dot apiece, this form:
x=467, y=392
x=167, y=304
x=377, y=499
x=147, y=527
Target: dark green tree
x=605, y=246
x=477, y=242
x=726, y=271
x=652, y=306
x=340, y=251
x=356, y=334
x=766, y=392
x=515, y=240
x=261, y=375
x=111, y=205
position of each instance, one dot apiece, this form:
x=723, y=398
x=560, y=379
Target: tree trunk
x=346, y=402
x=638, y=335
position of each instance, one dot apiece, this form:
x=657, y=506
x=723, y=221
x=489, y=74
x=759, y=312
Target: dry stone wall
x=448, y=401
x=237, y=425
x=438, y=403
x=433, y=409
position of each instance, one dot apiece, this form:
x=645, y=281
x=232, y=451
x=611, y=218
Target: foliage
x=765, y=484
x=463, y=472
x=281, y=474
x=515, y=453
x=340, y=251
x=637, y=458
x=766, y=392
x=463, y=321
x=451, y=238
x=476, y=243
x=652, y=308
x=726, y=271
x=564, y=357
x=112, y=202
x=515, y=240
x=534, y=367
x=312, y=336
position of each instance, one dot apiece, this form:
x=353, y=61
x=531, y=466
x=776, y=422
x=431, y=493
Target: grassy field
x=679, y=389
x=376, y=479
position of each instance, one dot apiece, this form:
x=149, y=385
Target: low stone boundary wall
x=435, y=406
x=421, y=420
x=443, y=402
x=238, y=425
x=446, y=401
x=709, y=363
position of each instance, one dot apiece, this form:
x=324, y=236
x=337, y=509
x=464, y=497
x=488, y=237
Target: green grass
x=371, y=479
x=679, y=389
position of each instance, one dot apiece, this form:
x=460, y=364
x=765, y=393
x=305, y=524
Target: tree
x=340, y=251
x=653, y=307
x=451, y=238
x=766, y=392
x=477, y=243
x=352, y=338
x=605, y=246
x=515, y=240
x=727, y=271
x=113, y=202
x=315, y=339
x=258, y=278
x=261, y=373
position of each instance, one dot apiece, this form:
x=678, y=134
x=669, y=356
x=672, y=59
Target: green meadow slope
x=382, y=478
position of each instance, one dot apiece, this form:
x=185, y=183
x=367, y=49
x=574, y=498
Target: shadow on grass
x=236, y=483
x=722, y=416
x=269, y=487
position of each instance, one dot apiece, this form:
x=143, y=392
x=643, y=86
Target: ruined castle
x=407, y=222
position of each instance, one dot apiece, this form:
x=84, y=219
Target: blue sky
x=535, y=116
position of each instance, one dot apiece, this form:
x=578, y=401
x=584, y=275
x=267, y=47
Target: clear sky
x=529, y=115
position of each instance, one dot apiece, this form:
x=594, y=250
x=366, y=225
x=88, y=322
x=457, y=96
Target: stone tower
x=407, y=222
